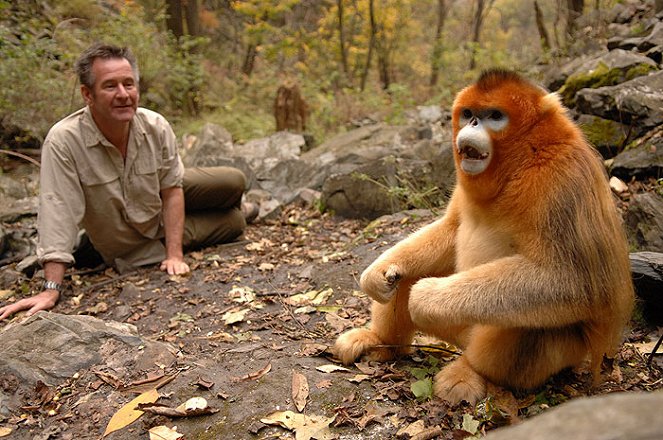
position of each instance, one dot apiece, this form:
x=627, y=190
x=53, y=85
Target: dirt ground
x=255, y=320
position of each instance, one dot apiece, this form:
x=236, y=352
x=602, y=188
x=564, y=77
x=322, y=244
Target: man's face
x=114, y=96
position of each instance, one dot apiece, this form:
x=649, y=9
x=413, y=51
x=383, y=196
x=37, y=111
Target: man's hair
x=83, y=64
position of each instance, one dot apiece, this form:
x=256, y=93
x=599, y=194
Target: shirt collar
x=91, y=134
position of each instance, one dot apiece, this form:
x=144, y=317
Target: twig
x=110, y=281
x=22, y=156
x=653, y=352
x=433, y=347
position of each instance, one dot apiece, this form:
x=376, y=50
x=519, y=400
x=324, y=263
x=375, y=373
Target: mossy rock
x=607, y=136
x=601, y=76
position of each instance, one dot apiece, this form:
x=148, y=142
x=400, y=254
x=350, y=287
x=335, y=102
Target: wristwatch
x=51, y=285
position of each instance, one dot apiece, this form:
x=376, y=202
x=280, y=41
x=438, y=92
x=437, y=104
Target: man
x=113, y=169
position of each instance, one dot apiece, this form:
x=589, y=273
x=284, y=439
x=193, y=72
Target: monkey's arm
x=427, y=252
x=509, y=292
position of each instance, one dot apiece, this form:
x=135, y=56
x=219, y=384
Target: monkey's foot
x=458, y=381
x=360, y=341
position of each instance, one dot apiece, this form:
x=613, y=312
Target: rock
x=375, y=189
x=51, y=347
x=607, y=136
x=617, y=185
x=644, y=222
x=638, y=102
x=613, y=416
x=214, y=142
x=647, y=272
x=606, y=69
x=644, y=157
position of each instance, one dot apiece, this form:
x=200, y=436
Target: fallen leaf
x=264, y=267
x=204, y=383
x=242, y=294
x=412, y=429
x=233, y=317
x=5, y=431
x=470, y=424
x=193, y=403
x=313, y=297
x=180, y=411
x=331, y=368
x=156, y=382
x=325, y=383
x=359, y=378
x=4, y=294
x=305, y=427
x=299, y=390
x=128, y=413
x=255, y=375
x=164, y=433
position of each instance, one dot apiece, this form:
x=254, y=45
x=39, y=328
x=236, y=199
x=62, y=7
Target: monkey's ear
x=551, y=102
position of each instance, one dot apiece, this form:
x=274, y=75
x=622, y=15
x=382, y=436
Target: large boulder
x=382, y=187
x=51, y=348
x=644, y=157
x=644, y=222
x=635, y=416
x=638, y=102
x=606, y=69
x=647, y=273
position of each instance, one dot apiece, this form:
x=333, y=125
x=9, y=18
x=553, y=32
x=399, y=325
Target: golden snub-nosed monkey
x=528, y=270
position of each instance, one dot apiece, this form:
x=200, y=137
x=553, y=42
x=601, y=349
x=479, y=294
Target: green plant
x=410, y=193
x=422, y=388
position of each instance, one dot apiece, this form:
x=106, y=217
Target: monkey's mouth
x=469, y=152
x=474, y=157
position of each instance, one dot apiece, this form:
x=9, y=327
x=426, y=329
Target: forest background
x=222, y=61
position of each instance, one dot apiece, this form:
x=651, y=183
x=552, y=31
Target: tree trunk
x=436, y=57
x=341, y=38
x=192, y=17
x=249, y=60
x=371, y=43
x=174, y=17
x=476, y=31
x=290, y=109
x=543, y=33
x=574, y=10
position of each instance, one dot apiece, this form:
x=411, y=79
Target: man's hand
x=44, y=300
x=174, y=266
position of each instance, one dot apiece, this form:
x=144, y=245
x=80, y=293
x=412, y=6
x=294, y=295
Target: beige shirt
x=85, y=183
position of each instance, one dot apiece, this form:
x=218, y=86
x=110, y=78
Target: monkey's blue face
x=474, y=142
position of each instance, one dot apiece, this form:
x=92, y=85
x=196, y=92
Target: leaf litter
x=273, y=302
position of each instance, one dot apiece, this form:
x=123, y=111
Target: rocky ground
x=250, y=329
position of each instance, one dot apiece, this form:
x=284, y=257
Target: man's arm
x=173, y=222
x=45, y=300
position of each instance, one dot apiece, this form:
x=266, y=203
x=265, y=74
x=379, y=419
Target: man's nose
x=122, y=92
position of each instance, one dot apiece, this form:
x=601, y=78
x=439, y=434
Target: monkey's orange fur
x=528, y=270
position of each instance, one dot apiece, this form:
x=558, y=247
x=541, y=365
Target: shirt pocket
x=144, y=190
x=101, y=173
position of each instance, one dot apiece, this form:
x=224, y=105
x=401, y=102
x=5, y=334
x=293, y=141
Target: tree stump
x=290, y=109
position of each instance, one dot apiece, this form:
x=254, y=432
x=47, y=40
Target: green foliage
x=422, y=388
x=408, y=192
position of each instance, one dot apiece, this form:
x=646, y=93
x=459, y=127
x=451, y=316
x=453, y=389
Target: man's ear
x=87, y=94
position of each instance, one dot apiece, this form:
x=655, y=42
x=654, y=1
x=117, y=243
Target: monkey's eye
x=467, y=113
x=496, y=115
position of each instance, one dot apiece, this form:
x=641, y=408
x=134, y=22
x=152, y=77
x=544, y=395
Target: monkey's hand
x=379, y=281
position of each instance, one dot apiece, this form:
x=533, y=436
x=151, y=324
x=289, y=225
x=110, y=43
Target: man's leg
x=213, y=199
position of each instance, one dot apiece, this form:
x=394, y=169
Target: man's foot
x=250, y=211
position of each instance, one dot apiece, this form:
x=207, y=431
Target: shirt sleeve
x=61, y=204
x=172, y=168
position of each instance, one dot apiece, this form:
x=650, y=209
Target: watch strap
x=51, y=285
